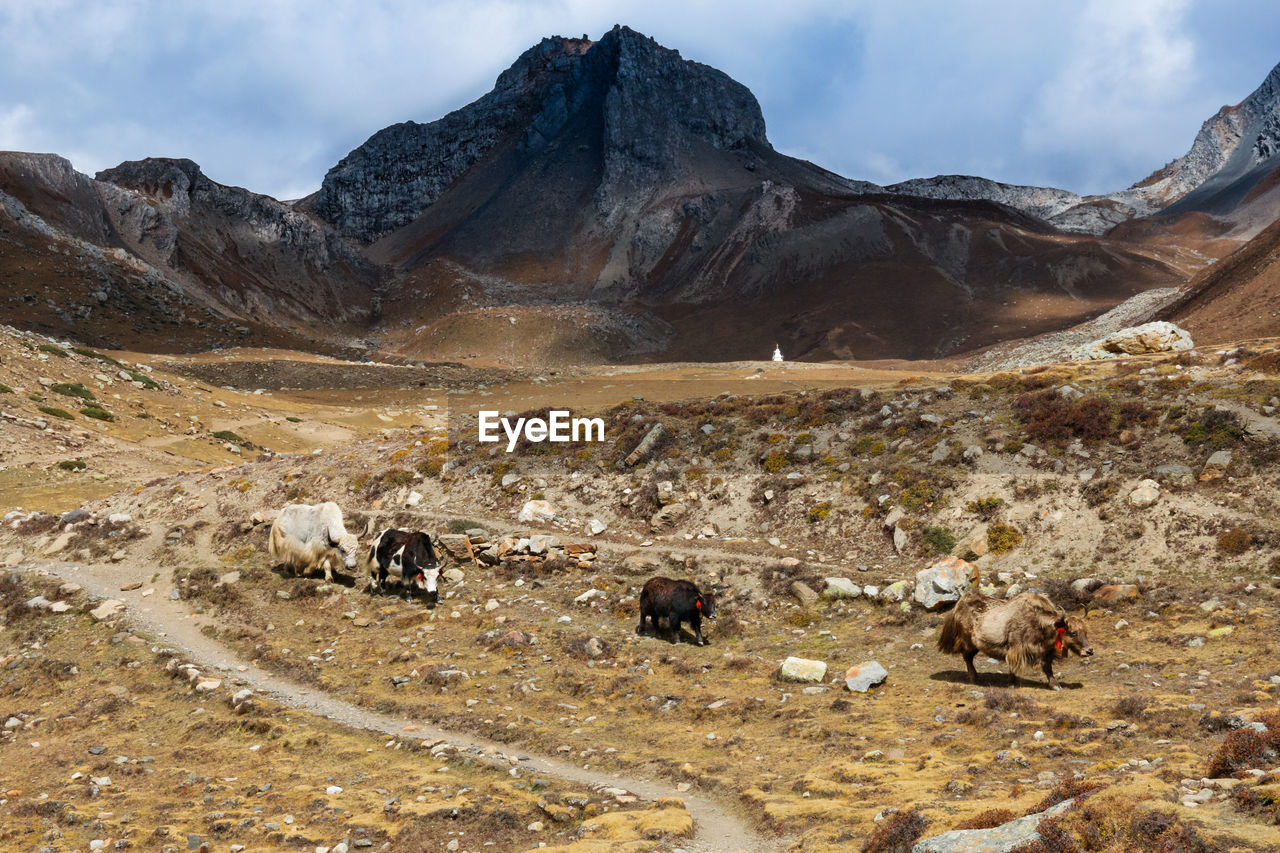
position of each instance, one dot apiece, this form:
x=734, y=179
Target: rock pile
x=478, y=547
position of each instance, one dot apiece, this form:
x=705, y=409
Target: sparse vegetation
x=5, y=389
x=145, y=380
x=53, y=350
x=985, y=508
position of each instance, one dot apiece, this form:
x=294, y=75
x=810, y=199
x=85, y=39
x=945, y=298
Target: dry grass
x=191, y=765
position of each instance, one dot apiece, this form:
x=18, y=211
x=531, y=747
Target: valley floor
x=524, y=708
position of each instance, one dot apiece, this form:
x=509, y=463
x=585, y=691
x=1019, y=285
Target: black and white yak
x=409, y=557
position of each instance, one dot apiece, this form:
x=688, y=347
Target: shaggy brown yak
x=1023, y=631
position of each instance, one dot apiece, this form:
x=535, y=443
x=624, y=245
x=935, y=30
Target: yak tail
x=274, y=543
x=950, y=640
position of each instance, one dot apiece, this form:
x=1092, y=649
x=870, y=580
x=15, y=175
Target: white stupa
x=777, y=353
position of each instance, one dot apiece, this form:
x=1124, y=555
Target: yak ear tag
x=698, y=604
x=1057, y=643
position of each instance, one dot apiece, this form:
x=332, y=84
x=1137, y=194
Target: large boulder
x=999, y=839
x=1160, y=336
x=455, y=544
x=943, y=582
x=107, y=610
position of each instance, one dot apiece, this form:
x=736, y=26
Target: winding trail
x=717, y=828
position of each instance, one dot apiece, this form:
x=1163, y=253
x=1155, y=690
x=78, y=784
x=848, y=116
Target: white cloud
x=15, y=128
x=1129, y=66
x=269, y=95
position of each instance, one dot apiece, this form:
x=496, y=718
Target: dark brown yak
x=675, y=601
x=1024, y=630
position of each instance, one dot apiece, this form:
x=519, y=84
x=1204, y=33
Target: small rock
x=803, y=593
x=1145, y=495
x=864, y=676
x=802, y=669
x=1217, y=466
x=1177, y=474
x=1115, y=592
x=896, y=591
x=539, y=510
x=841, y=588
x=107, y=610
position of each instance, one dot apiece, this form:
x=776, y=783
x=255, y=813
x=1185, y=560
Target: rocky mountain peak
x=1229, y=155
x=636, y=103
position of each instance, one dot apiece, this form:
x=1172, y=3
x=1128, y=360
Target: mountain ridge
x=613, y=184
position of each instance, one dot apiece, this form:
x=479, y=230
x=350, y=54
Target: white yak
x=306, y=537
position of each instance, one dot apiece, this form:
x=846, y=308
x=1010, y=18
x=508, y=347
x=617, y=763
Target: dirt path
x=717, y=828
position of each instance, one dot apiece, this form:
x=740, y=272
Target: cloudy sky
x=268, y=94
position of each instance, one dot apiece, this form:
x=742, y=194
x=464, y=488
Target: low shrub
x=1242, y=749
x=145, y=380
x=775, y=460
x=1234, y=541
x=868, y=445
x=291, y=419
x=1003, y=538
x=431, y=466
x=5, y=389
x=88, y=353
x=97, y=413
x=897, y=833
x=985, y=508
x=77, y=390
x=55, y=412
x=52, y=350
x=819, y=512
x=938, y=540
x=397, y=477
x=988, y=819
x=1218, y=428
x=72, y=465
x=229, y=436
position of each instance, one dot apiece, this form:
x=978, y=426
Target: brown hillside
x=1236, y=298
